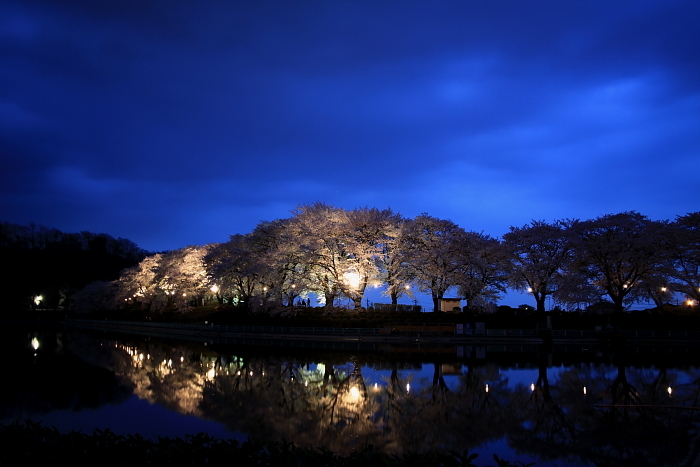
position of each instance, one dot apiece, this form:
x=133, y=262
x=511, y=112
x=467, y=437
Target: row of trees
x=336, y=253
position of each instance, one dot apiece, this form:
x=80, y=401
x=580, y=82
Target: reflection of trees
x=562, y=421
x=330, y=404
x=31, y=376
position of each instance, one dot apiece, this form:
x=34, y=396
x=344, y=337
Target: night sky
x=174, y=123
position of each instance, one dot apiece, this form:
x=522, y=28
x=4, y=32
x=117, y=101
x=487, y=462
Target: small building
x=449, y=304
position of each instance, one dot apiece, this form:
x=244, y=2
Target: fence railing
x=394, y=329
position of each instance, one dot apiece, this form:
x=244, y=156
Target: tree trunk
x=541, y=302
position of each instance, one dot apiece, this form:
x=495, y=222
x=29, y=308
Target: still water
x=572, y=406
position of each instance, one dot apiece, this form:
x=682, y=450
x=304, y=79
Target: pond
x=564, y=406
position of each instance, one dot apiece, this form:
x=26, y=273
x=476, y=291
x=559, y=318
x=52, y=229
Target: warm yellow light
x=689, y=303
x=663, y=289
x=214, y=288
x=264, y=289
x=407, y=287
x=354, y=392
x=294, y=286
x=35, y=343
x=352, y=278
x=211, y=373
x=184, y=294
x=38, y=299
x=670, y=390
x=529, y=289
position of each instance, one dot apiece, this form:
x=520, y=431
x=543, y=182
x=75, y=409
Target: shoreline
x=212, y=332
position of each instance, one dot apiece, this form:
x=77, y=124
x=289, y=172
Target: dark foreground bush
x=30, y=443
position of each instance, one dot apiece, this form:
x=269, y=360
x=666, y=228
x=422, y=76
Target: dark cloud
x=173, y=123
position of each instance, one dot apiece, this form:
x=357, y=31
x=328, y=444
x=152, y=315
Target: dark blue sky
x=184, y=122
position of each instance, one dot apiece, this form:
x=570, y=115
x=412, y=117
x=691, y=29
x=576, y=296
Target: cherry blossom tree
x=482, y=274
x=340, y=247
x=617, y=252
x=685, y=256
x=540, y=255
x=183, y=274
x=234, y=268
x=433, y=254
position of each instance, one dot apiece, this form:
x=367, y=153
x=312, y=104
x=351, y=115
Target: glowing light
x=584, y=390
x=354, y=392
x=663, y=289
x=182, y=359
x=251, y=373
x=214, y=288
x=35, y=343
x=670, y=391
x=487, y=388
x=264, y=289
x=38, y=299
x=141, y=357
x=532, y=387
x=375, y=386
x=211, y=373
x=306, y=383
x=239, y=373
x=184, y=294
x=689, y=303
x=352, y=278
x=529, y=289
x=407, y=287
x=408, y=388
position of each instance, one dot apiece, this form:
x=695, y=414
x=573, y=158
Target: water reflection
x=611, y=413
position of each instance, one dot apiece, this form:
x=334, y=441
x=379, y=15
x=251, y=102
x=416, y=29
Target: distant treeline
x=44, y=262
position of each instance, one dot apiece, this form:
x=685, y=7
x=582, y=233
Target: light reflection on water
x=533, y=411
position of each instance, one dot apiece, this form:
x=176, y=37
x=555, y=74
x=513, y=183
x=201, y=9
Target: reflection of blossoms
x=578, y=414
